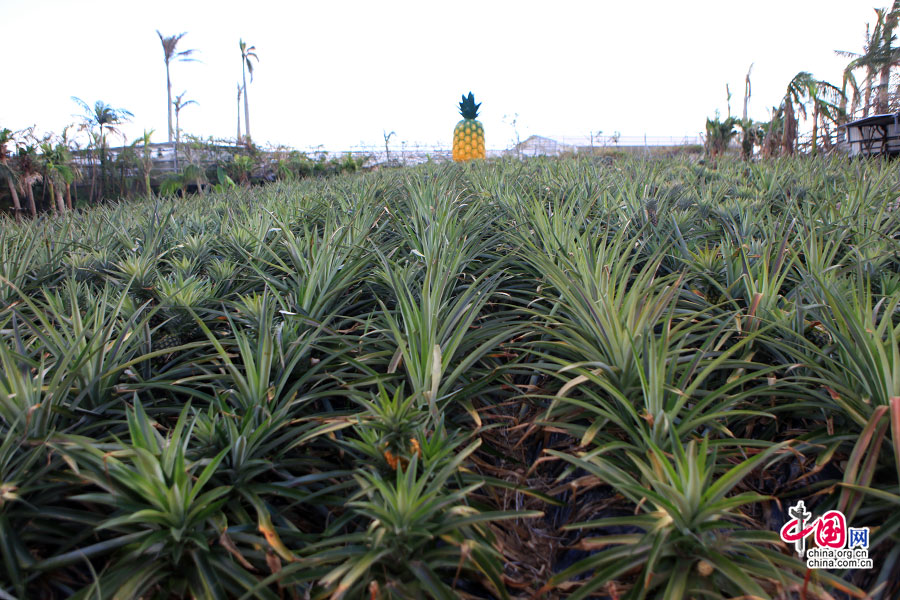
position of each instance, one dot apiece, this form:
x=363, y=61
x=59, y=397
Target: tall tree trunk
x=815, y=129
x=890, y=23
x=43, y=193
x=52, y=195
x=93, y=176
x=69, y=196
x=769, y=143
x=746, y=94
x=767, y=140
x=246, y=104
x=883, y=88
x=897, y=93
x=746, y=126
x=29, y=193
x=842, y=108
x=15, y=198
x=169, y=95
x=239, y=117
x=870, y=76
x=790, y=127
x=177, y=139
x=101, y=187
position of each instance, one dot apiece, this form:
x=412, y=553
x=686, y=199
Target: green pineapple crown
x=467, y=108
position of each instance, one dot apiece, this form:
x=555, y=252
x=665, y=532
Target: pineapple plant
x=82, y=267
x=468, y=135
x=138, y=275
x=179, y=297
x=360, y=393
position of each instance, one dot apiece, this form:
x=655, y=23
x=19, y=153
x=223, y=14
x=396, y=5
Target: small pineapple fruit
x=714, y=295
x=468, y=135
x=650, y=210
x=398, y=460
x=816, y=333
x=392, y=460
x=165, y=341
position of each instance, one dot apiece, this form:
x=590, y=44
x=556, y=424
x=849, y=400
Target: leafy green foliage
x=467, y=107
x=568, y=377
x=692, y=536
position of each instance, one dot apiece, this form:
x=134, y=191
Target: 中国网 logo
x=837, y=546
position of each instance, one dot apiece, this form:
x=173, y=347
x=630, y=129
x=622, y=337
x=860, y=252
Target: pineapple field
x=557, y=378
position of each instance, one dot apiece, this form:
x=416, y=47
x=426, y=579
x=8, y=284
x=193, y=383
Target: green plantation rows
x=568, y=378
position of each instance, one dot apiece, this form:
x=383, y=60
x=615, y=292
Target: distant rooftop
x=883, y=119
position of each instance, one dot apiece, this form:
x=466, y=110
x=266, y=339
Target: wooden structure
x=872, y=136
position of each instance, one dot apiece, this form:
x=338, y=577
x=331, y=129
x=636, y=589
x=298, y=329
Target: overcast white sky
x=340, y=73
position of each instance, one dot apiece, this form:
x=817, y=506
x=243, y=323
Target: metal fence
x=531, y=146
x=164, y=161
x=629, y=141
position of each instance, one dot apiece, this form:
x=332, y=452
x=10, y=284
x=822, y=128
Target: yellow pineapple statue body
x=468, y=135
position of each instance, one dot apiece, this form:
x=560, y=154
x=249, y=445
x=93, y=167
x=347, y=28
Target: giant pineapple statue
x=468, y=135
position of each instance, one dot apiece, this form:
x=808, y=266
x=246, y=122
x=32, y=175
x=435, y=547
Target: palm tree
x=849, y=80
x=247, y=52
x=57, y=172
x=76, y=171
x=105, y=118
x=888, y=56
x=170, y=53
x=179, y=104
x=7, y=172
x=719, y=134
x=824, y=98
x=869, y=59
x=93, y=144
x=772, y=133
x=796, y=91
x=749, y=131
x=29, y=171
x=752, y=135
x=147, y=158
